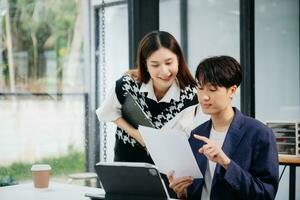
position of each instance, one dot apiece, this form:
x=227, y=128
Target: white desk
x=56, y=191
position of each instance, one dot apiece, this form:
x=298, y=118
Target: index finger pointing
x=202, y=138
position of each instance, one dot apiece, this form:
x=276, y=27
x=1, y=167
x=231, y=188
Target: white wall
x=36, y=128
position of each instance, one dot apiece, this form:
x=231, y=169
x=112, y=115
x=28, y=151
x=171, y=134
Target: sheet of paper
x=170, y=150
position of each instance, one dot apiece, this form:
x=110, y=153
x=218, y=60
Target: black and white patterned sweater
x=128, y=149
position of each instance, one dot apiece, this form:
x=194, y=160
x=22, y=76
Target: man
x=237, y=154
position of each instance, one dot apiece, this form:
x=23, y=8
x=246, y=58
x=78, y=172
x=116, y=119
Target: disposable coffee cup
x=40, y=175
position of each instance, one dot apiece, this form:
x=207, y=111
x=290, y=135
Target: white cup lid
x=40, y=167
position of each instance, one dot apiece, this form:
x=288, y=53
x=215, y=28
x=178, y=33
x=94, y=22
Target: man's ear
x=232, y=90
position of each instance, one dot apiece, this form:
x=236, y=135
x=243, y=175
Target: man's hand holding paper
x=170, y=151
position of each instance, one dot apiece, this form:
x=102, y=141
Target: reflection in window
x=42, y=95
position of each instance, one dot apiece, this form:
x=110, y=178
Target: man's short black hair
x=222, y=71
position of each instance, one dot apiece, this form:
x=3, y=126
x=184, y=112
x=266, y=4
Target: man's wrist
x=226, y=163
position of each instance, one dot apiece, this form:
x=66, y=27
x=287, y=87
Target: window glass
x=213, y=29
x=42, y=88
x=277, y=55
x=277, y=90
x=170, y=22
x=116, y=57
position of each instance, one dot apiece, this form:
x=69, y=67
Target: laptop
x=130, y=181
x=133, y=113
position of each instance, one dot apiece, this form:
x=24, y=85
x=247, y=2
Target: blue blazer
x=253, y=170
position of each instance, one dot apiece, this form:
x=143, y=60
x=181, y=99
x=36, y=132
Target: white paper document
x=170, y=150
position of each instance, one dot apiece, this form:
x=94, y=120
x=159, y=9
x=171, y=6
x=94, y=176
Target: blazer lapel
x=234, y=134
x=232, y=139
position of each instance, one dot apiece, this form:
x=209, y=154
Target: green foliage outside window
x=61, y=166
x=37, y=27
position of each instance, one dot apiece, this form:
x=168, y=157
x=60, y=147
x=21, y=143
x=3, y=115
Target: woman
x=236, y=154
x=164, y=88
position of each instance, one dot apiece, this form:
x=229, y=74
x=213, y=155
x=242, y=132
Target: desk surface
x=56, y=191
x=289, y=160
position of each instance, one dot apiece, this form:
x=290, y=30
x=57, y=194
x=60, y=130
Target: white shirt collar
x=172, y=93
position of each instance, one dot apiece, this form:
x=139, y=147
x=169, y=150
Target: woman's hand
x=179, y=185
x=133, y=73
x=133, y=132
x=213, y=151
